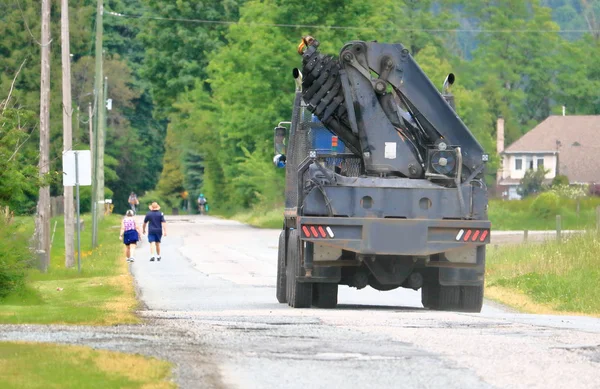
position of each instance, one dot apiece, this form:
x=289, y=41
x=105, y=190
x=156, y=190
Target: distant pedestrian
x=130, y=233
x=155, y=220
x=133, y=202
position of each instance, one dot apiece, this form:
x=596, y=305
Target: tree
x=177, y=53
x=533, y=182
x=170, y=184
x=18, y=170
x=516, y=60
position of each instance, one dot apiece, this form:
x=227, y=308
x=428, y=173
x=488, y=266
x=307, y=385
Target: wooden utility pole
x=67, y=131
x=91, y=129
x=43, y=207
x=99, y=103
x=101, y=146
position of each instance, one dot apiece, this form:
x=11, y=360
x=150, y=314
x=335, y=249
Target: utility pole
x=99, y=101
x=67, y=131
x=101, y=145
x=91, y=130
x=43, y=207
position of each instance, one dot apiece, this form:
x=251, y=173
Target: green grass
x=517, y=215
x=563, y=276
x=32, y=366
x=261, y=217
x=102, y=294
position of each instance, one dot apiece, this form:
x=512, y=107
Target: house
x=565, y=145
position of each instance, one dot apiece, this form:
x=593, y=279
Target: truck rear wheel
x=281, y=278
x=439, y=297
x=471, y=298
x=325, y=295
x=299, y=294
x=452, y=298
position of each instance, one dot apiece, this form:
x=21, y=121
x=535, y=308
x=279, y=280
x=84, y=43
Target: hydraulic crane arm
x=382, y=105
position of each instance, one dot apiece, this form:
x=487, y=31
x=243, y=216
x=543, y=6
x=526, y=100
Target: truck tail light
x=472, y=235
x=317, y=232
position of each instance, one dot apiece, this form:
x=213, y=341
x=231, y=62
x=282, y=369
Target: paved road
x=216, y=284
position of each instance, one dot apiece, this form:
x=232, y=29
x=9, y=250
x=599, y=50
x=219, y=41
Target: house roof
x=577, y=139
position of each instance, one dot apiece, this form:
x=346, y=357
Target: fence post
x=558, y=228
x=525, y=235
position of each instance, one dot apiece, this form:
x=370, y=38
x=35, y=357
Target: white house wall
x=509, y=165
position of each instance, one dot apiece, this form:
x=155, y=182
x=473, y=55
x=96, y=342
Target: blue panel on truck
x=322, y=139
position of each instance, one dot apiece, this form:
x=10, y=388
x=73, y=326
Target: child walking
x=130, y=233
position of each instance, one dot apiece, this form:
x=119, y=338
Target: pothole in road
x=341, y=356
x=589, y=351
x=246, y=329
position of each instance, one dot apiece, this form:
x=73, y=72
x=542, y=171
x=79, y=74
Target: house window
x=529, y=163
x=518, y=164
x=540, y=163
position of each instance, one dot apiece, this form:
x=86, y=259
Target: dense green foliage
x=15, y=257
x=134, y=139
x=216, y=76
x=18, y=176
x=514, y=61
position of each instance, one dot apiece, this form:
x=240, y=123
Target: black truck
x=384, y=183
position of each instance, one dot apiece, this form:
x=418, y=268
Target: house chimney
x=500, y=135
x=500, y=146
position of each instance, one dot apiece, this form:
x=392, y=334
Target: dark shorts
x=154, y=237
x=130, y=237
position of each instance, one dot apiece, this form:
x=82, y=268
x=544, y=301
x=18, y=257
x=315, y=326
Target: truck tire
x=426, y=296
x=471, y=298
x=325, y=295
x=440, y=297
x=281, y=283
x=299, y=294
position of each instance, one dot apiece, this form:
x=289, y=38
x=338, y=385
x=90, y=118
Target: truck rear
x=384, y=183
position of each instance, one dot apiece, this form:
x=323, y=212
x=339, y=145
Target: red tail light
x=314, y=231
x=467, y=235
x=306, y=231
x=322, y=232
x=472, y=235
x=484, y=235
x=317, y=232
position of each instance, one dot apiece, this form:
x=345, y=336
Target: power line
x=283, y=25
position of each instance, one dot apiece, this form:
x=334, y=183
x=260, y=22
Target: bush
x=85, y=197
x=165, y=202
x=532, y=182
x=572, y=192
x=546, y=205
x=560, y=180
x=15, y=256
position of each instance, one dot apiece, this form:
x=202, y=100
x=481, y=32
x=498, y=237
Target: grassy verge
x=57, y=366
x=518, y=215
x=552, y=277
x=261, y=218
x=102, y=294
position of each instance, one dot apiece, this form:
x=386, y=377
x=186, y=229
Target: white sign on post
x=84, y=167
